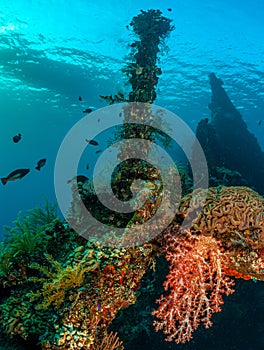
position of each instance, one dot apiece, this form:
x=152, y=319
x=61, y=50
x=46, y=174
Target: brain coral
x=228, y=209
x=234, y=215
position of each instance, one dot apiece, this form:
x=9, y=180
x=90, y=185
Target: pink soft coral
x=196, y=283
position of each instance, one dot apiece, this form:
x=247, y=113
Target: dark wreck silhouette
x=233, y=154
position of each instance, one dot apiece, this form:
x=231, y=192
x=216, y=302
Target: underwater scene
x=132, y=168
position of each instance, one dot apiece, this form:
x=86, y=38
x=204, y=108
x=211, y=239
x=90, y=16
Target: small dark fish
x=41, y=163
x=87, y=110
x=169, y=9
x=98, y=151
x=92, y=142
x=15, y=175
x=260, y=122
x=17, y=138
x=80, y=98
x=120, y=114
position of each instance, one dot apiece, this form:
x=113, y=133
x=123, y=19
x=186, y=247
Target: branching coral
x=27, y=238
x=196, y=282
x=27, y=241
x=81, y=291
x=58, y=283
x=111, y=342
x=43, y=215
x=35, y=219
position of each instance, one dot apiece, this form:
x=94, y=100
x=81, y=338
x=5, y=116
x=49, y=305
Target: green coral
x=19, y=317
x=43, y=215
x=22, y=246
x=30, y=237
x=35, y=219
x=27, y=238
x=5, y=260
x=27, y=244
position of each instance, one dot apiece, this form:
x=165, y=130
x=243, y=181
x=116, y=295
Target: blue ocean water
x=52, y=52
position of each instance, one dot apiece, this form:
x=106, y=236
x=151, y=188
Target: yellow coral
x=59, y=282
x=112, y=288
x=111, y=341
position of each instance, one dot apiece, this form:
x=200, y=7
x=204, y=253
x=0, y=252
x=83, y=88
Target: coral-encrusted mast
x=196, y=283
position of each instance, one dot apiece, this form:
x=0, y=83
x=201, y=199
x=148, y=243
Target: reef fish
x=41, y=163
x=15, y=175
x=88, y=110
x=92, y=142
x=17, y=138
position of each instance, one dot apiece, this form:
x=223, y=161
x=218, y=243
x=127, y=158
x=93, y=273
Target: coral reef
x=111, y=287
x=68, y=300
x=28, y=241
x=134, y=324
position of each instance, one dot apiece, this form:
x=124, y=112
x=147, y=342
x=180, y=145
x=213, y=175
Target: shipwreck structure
x=232, y=151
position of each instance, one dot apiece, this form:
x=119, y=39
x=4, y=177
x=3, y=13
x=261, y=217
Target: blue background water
x=53, y=51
